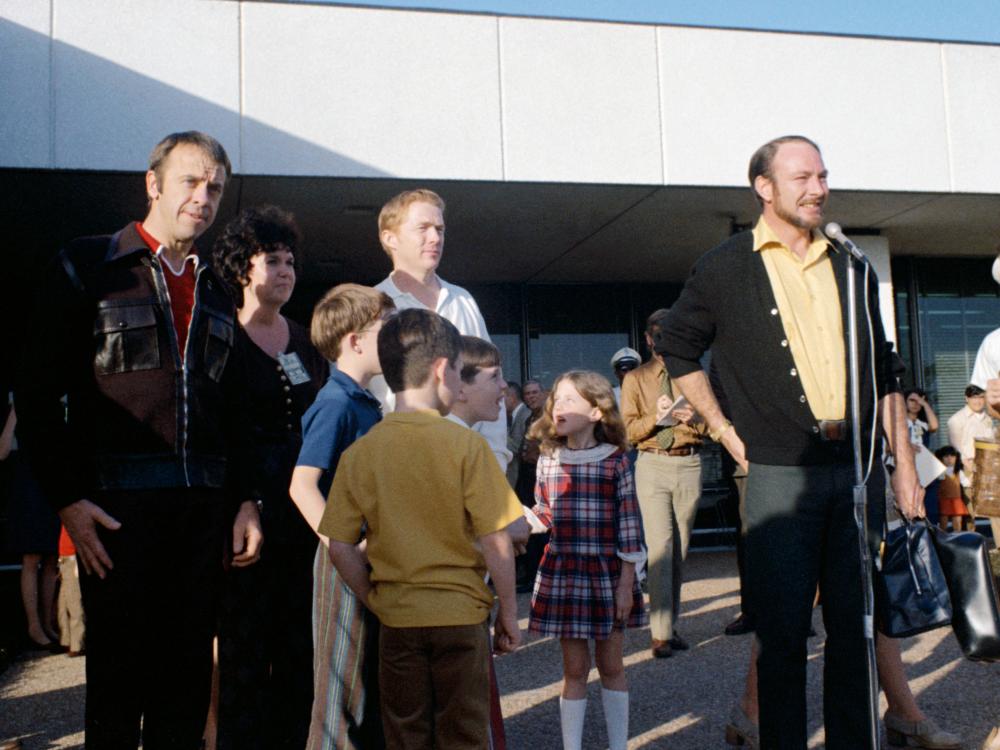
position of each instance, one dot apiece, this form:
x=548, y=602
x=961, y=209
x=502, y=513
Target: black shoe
x=677, y=643
x=740, y=626
x=661, y=649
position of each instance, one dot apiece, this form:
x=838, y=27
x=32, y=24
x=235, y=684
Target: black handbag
x=976, y=620
x=911, y=588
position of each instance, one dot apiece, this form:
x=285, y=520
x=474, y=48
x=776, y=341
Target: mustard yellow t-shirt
x=809, y=305
x=428, y=488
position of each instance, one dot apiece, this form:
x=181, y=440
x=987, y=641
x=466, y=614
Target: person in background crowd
x=411, y=229
x=968, y=424
x=518, y=415
x=951, y=498
x=139, y=333
x=33, y=534
x=345, y=712
x=986, y=375
x=265, y=624
x=527, y=457
x=920, y=417
x=623, y=361
x=779, y=292
x=667, y=483
x=72, y=622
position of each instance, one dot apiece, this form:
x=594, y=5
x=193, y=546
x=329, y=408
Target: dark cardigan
x=727, y=305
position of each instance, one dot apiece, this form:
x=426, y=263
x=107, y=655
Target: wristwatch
x=721, y=430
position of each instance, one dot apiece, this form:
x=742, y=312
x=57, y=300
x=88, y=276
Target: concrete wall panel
x=580, y=102
x=972, y=80
x=349, y=91
x=875, y=106
x=25, y=112
x=127, y=72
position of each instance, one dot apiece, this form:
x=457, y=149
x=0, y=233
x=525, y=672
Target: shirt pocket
x=219, y=332
x=126, y=337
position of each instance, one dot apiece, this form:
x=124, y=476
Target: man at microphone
x=779, y=291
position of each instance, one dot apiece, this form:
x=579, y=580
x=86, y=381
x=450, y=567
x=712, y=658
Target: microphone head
x=833, y=230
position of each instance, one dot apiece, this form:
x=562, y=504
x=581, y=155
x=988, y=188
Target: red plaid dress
x=587, y=498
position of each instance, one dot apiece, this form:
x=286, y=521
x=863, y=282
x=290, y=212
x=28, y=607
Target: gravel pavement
x=680, y=703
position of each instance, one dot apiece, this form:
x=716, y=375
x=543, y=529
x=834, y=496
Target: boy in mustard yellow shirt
x=436, y=507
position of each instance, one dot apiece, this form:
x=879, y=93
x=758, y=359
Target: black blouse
x=274, y=406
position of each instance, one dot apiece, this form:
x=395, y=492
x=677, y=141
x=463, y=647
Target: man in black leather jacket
x=144, y=469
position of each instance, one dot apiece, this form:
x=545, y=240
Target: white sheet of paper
x=669, y=421
x=537, y=527
x=928, y=466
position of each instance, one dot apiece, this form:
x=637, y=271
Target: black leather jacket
x=140, y=415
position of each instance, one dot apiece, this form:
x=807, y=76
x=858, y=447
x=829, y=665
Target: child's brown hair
x=347, y=308
x=596, y=391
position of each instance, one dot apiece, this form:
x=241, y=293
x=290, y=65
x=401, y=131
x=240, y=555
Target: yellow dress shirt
x=809, y=304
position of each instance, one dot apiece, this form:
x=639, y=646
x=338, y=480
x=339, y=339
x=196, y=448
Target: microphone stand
x=861, y=491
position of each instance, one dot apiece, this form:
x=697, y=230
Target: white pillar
x=877, y=250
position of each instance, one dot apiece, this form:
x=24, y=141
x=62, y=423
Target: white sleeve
x=496, y=435
x=987, y=367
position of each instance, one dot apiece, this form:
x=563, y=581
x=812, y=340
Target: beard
x=793, y=218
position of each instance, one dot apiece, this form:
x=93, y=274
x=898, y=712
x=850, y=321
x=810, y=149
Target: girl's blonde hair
x=596, y=390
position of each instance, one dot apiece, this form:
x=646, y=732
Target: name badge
x=293, y=368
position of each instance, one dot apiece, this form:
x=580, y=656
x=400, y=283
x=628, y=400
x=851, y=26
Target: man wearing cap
x=667, y=483
x=623, y=362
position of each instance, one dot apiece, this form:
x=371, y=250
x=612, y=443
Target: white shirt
x=987, y=365
x=456, y=305
x=964, y=426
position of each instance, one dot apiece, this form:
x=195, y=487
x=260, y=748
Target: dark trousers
x=266, y=651
x=435, y=684
x=736, y=481
x=801, y=532
x=150, y=622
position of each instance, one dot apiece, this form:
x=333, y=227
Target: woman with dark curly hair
x=265, y=629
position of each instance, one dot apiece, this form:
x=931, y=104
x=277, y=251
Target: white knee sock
x=616, y=717
x=571, y=713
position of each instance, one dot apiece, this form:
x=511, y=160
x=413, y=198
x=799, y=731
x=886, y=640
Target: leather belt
x=688, y=450
x=833, y=430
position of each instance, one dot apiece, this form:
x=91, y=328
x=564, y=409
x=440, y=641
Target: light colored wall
x=336, y=91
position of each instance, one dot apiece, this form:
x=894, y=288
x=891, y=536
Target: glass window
x=957, y=305
x=575, y=327
x=500, y=305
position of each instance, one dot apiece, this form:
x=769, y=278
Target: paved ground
x=679, y=703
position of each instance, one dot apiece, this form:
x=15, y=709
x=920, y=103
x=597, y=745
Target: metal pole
x=861, y=502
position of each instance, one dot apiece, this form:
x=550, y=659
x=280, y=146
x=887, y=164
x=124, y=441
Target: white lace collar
x=584, y=455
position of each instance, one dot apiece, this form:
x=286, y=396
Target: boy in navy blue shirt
x=345, y=328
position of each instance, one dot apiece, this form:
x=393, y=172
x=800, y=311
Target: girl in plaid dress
x=586, y=586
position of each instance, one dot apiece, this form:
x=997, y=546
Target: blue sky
x=961, y=20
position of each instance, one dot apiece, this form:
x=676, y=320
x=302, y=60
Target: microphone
x=835, y=233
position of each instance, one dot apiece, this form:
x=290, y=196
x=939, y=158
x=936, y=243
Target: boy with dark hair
x=436, y=507
x=345, y=326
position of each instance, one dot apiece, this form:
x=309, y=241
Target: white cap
x=996, y=270
x=625, y=353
